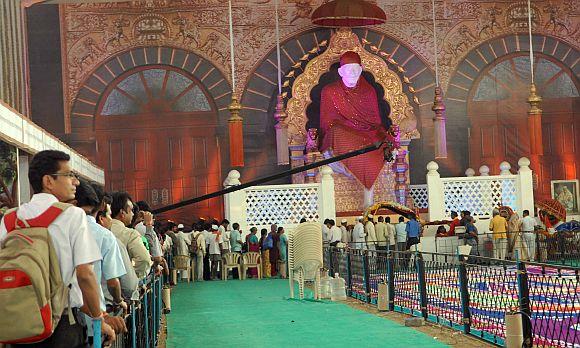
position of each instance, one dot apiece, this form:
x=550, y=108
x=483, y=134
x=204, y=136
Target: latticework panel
x=481, y=196
x=283, y=206
x=420, y=196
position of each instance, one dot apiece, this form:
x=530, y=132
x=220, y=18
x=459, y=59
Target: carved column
x=401, y=169
x=281, y=133
x=12, y=60
x=535, y=129
x=297, y=160
x=439, y=124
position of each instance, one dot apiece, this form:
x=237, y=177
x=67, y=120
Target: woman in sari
x=283, y=252
x=266, y=268
x=253, y=246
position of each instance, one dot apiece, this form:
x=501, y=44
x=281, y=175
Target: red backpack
x=32, y=293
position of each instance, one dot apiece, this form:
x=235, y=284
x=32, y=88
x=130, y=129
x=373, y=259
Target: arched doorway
x=497, y=110
x=155, y=128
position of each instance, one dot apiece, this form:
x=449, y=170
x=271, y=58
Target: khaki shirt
x=381, y=232
x=135, y=247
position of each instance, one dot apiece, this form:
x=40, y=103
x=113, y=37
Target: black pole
x=524, y=299
x=259, y=181
x=391, y=279
x=420, y=264
x=464, y=294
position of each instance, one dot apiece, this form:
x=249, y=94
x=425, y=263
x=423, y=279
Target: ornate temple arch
x=488, y=94
x=93, y=88
x=393, y=181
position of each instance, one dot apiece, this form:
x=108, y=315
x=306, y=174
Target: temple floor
x=253, y=313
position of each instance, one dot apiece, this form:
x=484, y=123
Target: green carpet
x=253, y=313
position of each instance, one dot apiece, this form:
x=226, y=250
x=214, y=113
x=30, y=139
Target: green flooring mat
x=254, y=313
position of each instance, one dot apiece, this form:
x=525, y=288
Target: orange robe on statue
x=350, y=120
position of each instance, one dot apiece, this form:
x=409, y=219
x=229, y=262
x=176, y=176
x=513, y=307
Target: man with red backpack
x=29, y=235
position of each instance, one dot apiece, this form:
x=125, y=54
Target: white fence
x=284, y=205
x=480, y=194
x=420, y=196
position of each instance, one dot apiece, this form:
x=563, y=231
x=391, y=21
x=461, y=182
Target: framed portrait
x=567, y=192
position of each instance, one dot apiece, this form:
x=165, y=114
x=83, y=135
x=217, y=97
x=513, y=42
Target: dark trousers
x=65, y=335
x=206, y=268
x=412, y=241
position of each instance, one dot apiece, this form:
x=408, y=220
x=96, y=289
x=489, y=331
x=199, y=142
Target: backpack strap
x=12, y=222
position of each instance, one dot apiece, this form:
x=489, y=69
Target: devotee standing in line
x=413, y=230
x=274, y=255
x=225, y=235
x=401, y=231
x=325, y=231
x=206, y=263
x=371, y=234
x=253, y=247
x=283, y=251
x=345, y=234
x=335, y=234
x=183, y=243
x=391, y=238
x=498, y=225
x=53, y=181
x=197, y=248
x=215, y=250
x=528, y=224
x=236, y=245
x=381, y=232
x=265, y=244
x=358, y=235
x=470, y=236
x=122, y=211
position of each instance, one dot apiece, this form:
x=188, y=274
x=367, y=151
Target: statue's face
x=350, y=73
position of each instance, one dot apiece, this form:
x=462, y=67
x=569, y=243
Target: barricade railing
x=468, y=293
x=143, y=319
x=561, y=248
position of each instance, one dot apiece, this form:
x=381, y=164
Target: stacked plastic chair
x=305, y=257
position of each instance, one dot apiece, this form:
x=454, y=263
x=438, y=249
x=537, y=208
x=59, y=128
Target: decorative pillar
x=439, y=124
x=525, y=186
x=401, y=168
x=435, y=192
x=484, y=170
x=235, y=124
x=326, y=201
x=281, y=133
x=535, y=127
x=297, y=160
x=12, y=56
x=235, y=202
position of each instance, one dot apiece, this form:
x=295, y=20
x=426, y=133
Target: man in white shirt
x=344, y=232
x=371, y=234
x=401, y=234
x=391, y=234
x=111, y=267
x=528, y=224
x=225, y=235
x=335, y=233
x=381, y=232
x=52, y=180
x=198, y=238
x=325, y=231
x=358, y=235
x=215, y=250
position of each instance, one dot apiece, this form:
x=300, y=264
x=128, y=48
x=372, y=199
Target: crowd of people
x=105, y=244
x=382, y=235
x=207, y=243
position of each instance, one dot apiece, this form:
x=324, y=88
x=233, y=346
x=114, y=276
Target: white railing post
x=525, y=186
x=435, y=193
x=235, y=202
x=326, y=202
